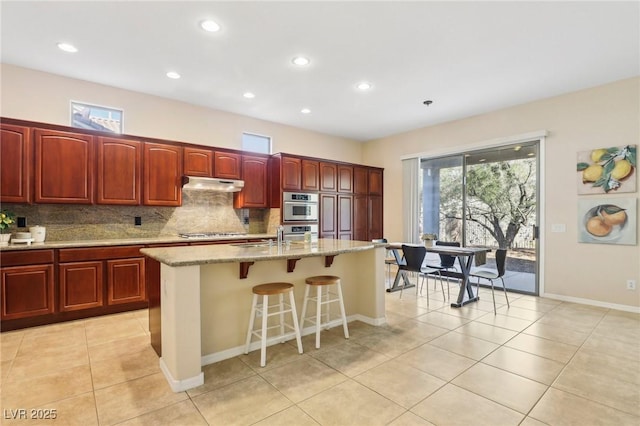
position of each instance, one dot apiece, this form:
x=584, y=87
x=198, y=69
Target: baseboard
x=625, y=308
x=239, y=350
x=181, y=385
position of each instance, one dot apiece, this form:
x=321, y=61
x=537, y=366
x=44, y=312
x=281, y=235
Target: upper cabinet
x=15, y=164
x=119, y=175
x=328, y=177
x=309, y=177
x=375, y=181
x=254, y=194
x=198, y=162
x=227, y=165
x=291, y=174
x=64, y=167
x=345, y=178
x=162, y=175
x=360, y=180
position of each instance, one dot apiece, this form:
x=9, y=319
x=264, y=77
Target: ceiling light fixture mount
x=427, y=102
x=210, y=26
x=300, y=61
x=66, y=47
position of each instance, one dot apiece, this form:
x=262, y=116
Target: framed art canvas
x=607, y=170
x=96, y=117
x=607, y=220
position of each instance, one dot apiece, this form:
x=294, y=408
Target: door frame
x=539, y=136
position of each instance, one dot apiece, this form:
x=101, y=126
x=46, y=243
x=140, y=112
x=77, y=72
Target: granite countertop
x=129, y=242
x=226, y=253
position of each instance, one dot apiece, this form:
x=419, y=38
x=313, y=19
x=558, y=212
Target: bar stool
x=319, y=282
x=262, y=309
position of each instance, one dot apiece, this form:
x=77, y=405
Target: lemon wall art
x=607, y=170
x=607, y=220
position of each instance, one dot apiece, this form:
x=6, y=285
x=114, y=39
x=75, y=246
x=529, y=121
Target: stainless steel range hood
x=212, y=184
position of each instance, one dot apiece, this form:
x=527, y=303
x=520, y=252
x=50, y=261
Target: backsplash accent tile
x=201, y=211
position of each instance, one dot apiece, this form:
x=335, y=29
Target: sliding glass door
x=486, y=198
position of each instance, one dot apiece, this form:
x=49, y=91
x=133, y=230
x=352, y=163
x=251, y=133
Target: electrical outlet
x=138, y=221
x=22, y=222
x=631, y=284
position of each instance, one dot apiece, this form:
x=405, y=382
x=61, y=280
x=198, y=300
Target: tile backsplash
x=201, y=211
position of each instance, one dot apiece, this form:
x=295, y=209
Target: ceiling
x=467, y=57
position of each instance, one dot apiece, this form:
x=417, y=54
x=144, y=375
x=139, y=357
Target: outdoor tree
x=500, y=197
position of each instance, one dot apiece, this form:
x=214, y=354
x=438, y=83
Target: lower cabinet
x=27, y=285
x=48, y=286
x=81, y=285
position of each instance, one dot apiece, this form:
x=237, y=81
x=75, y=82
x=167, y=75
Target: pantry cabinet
x=15, y=164
x=328, y=178
x=345, y=178
x=162, y=175
x=119, y=177
x=64, y=167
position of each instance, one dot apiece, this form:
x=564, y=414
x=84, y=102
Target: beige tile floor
x=539, y=362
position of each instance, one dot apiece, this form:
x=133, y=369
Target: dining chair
x=488, y=274
x=447, y=262
x=413, y=263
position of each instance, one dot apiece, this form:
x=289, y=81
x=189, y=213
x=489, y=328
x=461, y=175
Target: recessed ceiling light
x=300, y=61
x=173, y=74
x=209, y=25
x=305, y=111
x=517, y=148
x=249, y=95
x=67, y=47
x=364, y=85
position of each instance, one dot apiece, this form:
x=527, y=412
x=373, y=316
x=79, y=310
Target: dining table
x=465, y=256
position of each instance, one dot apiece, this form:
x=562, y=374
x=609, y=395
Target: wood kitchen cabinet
x=255, y=192
x=162, y=175
x=227, y=165
x=375, y=217
x=119, y=178
x=100, y=276
x=291, y=174
x=125, y=281
x=15, y=164
x=360, y=180
x=81, y=285
x=328, y=216
x=198, y=162
x=64, y=167
x=310, y=175
x=345, y=178
x=345, y=217
x=27, y=284
x=375, y=181
x=328, y=177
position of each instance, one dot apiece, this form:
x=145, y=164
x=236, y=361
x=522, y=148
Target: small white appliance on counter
x=38, y=233
x=299, y=207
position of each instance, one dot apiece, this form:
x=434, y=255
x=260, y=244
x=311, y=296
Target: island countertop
x=251, y=252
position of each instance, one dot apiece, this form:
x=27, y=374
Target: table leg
x=467, y=296
x=396, y=282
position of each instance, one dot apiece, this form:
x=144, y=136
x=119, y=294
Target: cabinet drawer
x=101, y=253
x=26, y=257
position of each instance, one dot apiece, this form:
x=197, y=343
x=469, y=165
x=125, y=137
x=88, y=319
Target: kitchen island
x=206, y=294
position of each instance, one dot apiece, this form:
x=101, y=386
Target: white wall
x=38, y=96
x=604, y=116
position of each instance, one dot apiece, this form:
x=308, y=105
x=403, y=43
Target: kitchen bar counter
x=164, y=239
x=205, y=304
